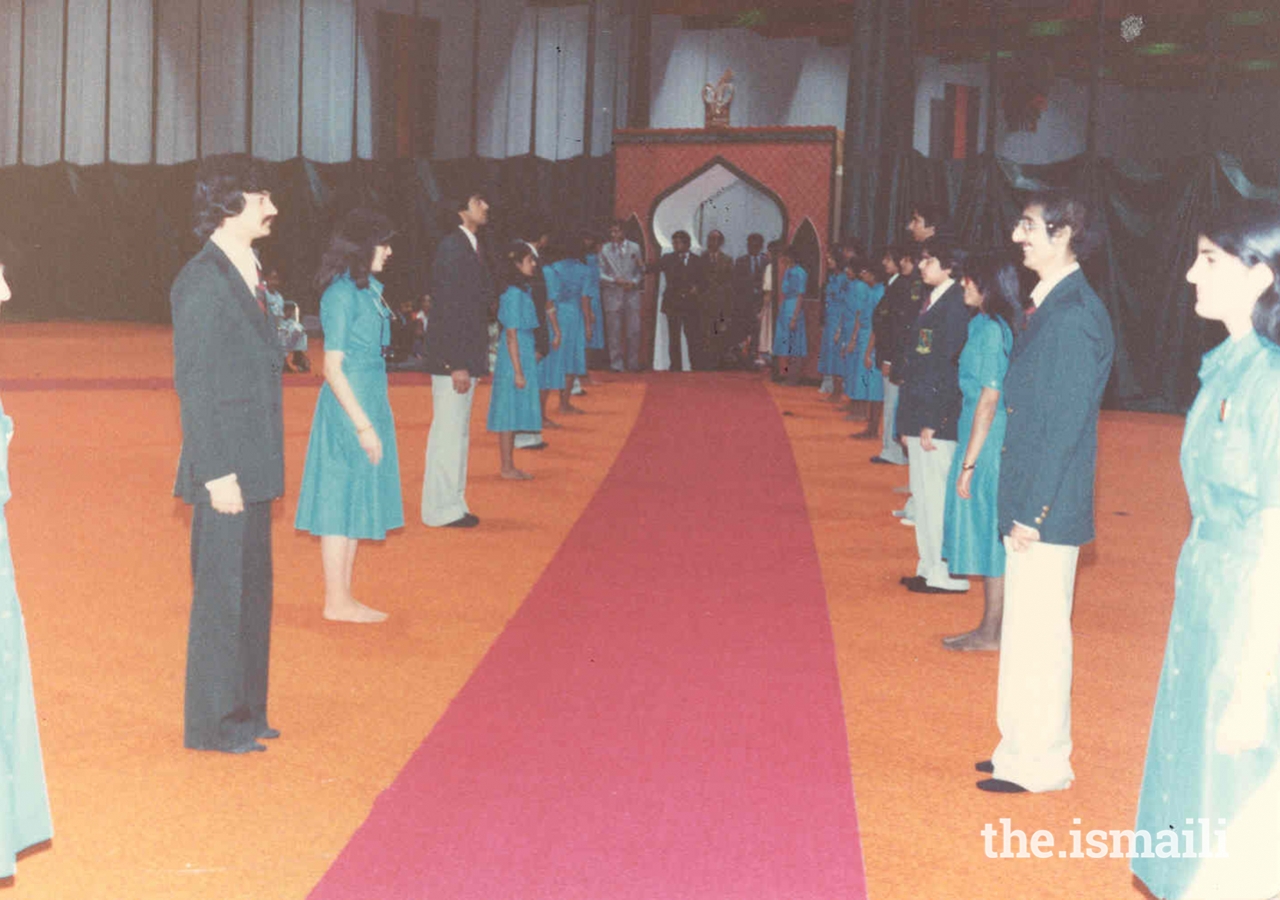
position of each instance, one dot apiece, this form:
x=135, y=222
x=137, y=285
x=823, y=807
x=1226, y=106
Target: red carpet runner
x=661, y=719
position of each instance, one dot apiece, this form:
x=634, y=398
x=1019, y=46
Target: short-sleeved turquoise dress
x=342, y=492
x=788, y=341
x=567, y=284
x=833, y=326
x=1231, y=467
x=971, y=542
x=862, y=383
x=512, y=408
x=24, y=800
x=595, y=340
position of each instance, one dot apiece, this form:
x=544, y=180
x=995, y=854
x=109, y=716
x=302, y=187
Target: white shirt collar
x=1042, y=289
x=475, y=244
x=939, y=291
x=892, y=279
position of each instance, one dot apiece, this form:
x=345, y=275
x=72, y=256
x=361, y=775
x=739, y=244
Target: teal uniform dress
x=833, y=326
x=788, y=342
x=595, y=340
x=1231, y=467
x=971, y=542
x=857, y=299
x=342, y=493
x=512, y=408
x=567, y=283
x=860, y=382
x=24, y=800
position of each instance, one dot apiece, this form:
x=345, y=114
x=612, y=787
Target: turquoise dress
x=787, y=341
x=343, y=493
x=512, y=408
x=833, y=326
x=24, y=801
x=595, y=340
x=971, y=542
x=1231, y=467
x=862, y=383
x=857, y=297
x=567, y=283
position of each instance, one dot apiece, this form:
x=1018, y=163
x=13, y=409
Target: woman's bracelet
x=968, y=467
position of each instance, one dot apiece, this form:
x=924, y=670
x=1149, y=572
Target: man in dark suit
x=748, y=298
x=685, y=275
x=1058, y=372
x=456, y=353
x=929, y=407
x=893, y=323
x=227, y=367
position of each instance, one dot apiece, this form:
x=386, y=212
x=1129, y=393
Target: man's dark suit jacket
x=892, y=321
x=462, y=291
x=930, y=361
x=685, y=281
x=227, y=366
x=1058, y=371
x=748, y=289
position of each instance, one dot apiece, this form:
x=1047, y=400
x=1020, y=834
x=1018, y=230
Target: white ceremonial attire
x=444, y=484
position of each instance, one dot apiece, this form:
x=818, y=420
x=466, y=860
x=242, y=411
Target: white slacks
x=928, y=475
x=1033, y=704
x=444, y=484
x=890, y=449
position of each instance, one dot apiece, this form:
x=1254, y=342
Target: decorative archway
x=796, y=166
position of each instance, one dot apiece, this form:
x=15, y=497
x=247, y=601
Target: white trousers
x=1033, y=706
x=928, y=474
x=444, y=484
x=890, y=449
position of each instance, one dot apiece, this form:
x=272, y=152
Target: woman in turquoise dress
x=830, y=362
x=971, y=542
x=1213, y=756
x=568, y=286
x=595, y=332
x=24, y=800
x=790, y=343
x=351, y=479
x=862, y=381
x=514, y=401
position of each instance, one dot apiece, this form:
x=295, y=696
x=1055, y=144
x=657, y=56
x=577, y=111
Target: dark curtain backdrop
x=105, y=242
x=1149, y=219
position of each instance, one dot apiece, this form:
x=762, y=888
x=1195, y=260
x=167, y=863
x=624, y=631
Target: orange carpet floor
x=100, y=550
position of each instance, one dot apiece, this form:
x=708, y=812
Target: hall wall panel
x=176, y=76
x=10, y=80
x=130, y=93
x=328, y=79
x=42, y=82
x=86, y=134
x=224, y=65
x=275, y=78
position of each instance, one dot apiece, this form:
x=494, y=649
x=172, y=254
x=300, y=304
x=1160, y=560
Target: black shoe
x=1000, y=786
x=986, y=767
x=251, y=747
x=269, y=733
x=912, y=581
x=467, y=521
x=880, y=461
x=923, y=587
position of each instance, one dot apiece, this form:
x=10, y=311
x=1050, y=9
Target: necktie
x=260, y=293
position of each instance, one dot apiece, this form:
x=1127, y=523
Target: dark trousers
x=229, y=642
x=690, y=321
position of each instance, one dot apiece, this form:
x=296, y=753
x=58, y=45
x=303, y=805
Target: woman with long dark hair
x=1213, y=758
x=514, y=403
x=351, y=480
x=971, y=542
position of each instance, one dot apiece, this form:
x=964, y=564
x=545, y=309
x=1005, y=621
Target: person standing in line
x=539, y=238
x=1214, y=751
x=891, y=323
x=830, y=357
x=790, y=340
x=716, y=299
x=456, y=354
x=930, y=407
x=570, y=287
x=351, y=479
x=1058, y=371
x=868, y=385
x=684, y=273
x=25, y=819
x=226, y=368
x=621, y=275
x=514, y=402
x=970, y=536
x=595, y=333
x=748, y=299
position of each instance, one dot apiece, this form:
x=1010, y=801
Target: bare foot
x=516, y=475
x=547, y=423
x=571, y=410
x=971, y=640
x=353, y=611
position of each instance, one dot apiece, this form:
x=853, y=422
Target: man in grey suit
x=1058, y=371
x=227, y=367
x=456, y=354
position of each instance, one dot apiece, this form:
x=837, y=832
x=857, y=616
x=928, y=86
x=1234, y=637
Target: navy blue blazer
x=930, y=368
x=1058, y=371
x=226, y=368
x=461, y=295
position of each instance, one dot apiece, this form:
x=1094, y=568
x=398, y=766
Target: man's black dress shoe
x=251, y=747
x=880, y=461
x=1000, y=786
x=269, y=733
x=467, y=521
x=923, y=587
x=909, y=580
x=986, y=766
